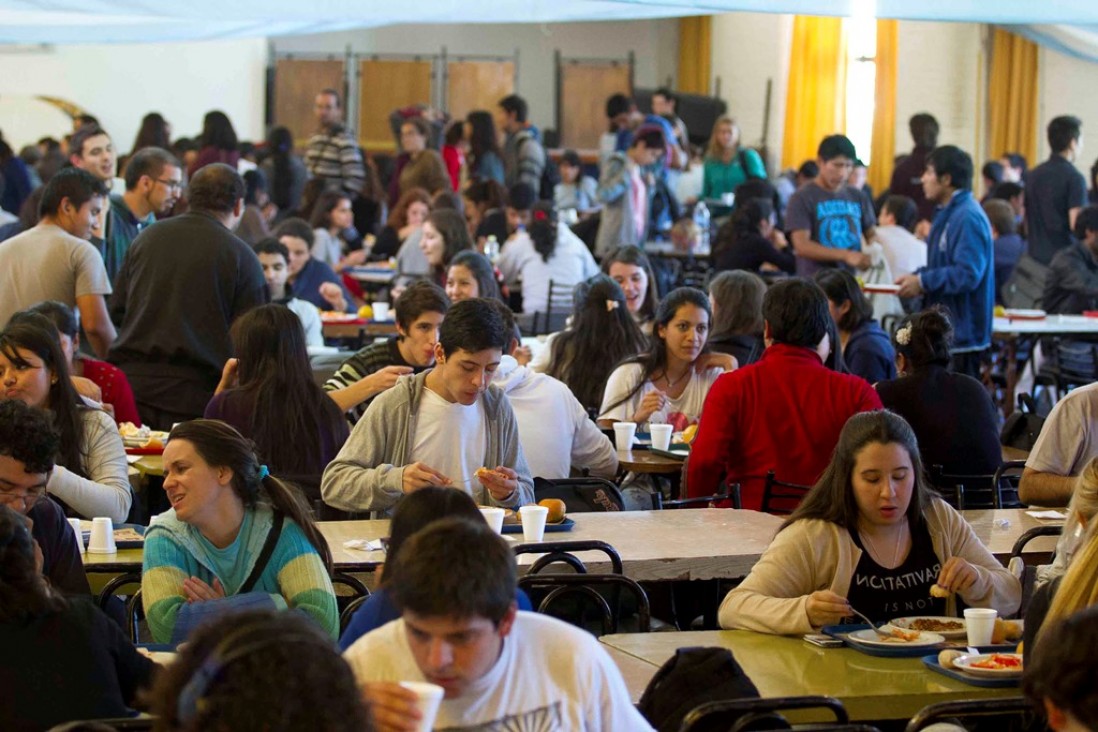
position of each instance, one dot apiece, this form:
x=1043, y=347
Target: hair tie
x=612, y=305
x=903, y=335
x=540, y=215
x=263, y=472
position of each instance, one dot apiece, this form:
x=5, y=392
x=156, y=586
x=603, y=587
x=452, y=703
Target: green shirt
x=721, y=178
x=122, y=228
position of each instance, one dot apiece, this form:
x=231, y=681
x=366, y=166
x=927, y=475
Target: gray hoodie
x=368, y=473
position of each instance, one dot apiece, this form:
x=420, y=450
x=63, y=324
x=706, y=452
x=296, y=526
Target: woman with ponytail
x=952, y=414
x=235, y=538
x=547, y=253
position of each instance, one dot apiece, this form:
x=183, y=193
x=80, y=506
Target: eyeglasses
x=28, y=500
x=170, y=184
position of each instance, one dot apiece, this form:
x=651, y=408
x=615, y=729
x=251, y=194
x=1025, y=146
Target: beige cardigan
x=813, y=555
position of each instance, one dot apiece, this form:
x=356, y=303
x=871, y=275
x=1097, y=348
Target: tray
x=133, y=544
x=931, y=662
x=841, y=631
x=566, y=525
x=676, y=452
x=144, y=450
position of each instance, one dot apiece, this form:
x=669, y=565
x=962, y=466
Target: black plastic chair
x=966, y=491
x=724, y=493
x=780, y=497
x=1029, y=572
x=357, y=592
x=581, y=495
x=1007, y=478
x=1015, y=706
x=349, y=612
x=560, y=552
x=1071, y=363
x=133, y=608
x=558, y=306
x=585, y=588
x=742, y=714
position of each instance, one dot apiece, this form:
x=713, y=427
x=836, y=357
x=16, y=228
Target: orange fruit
x=557, y=509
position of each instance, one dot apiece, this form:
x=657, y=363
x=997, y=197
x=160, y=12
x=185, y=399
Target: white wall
x=655, y=43
x=119, y=84
x=1067, y=86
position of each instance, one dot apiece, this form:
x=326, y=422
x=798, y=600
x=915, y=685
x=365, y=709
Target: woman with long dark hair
x=206, y=554
x=736, y=298
x=254, y=224
x=866, y=348
x=869, y=535
x=548, y=252
x=485, y=161
x=92, y=476
x=217, y=143
x=444, y=235
x=93, y=671
x=630, y=268
x=285, y=172
x=470, y=275
x=154, y=132
x=332, y=217
x=268, y=392
x=748, y=240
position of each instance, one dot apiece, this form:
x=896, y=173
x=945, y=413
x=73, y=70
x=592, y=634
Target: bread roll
x=946, y=658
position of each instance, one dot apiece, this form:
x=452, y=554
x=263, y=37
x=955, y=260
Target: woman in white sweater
x=91, y=477
x=870, y=535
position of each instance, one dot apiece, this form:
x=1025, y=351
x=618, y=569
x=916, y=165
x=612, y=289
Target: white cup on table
x=75, y=524
x=102, y=536
x=494, y=517
x=533, y=522
x=980, y=625
x=428, y=697
x=381, y=310
x=661, y=436
x=623, y=435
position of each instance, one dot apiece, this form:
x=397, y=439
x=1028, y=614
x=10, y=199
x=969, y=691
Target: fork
x=882, y=633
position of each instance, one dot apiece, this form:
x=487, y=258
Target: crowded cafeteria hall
x=592, y=365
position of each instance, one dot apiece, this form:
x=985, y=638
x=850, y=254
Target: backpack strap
x=265, y=553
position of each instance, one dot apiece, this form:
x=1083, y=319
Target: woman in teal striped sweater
x=235, y=538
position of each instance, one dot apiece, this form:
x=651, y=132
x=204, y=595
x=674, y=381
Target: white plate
x=1021, y=314
x=905, y=623
x=882, y=288
x=964, y=663
x=871, y=638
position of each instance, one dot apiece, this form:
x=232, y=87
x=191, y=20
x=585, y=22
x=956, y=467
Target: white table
x=1051, y=325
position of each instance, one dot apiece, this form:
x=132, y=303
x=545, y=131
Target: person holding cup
x=869, y=535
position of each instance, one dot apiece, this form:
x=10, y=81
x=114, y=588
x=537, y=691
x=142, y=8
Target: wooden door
x=472, y=85
x=297, y=82
x=584, y=89
x=384, y=86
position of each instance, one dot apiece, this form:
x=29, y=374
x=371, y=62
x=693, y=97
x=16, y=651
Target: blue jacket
x=959, y=273
x=869, y=353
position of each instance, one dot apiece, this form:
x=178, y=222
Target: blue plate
x=842, y=632
x=931, y=662
x=565, y=525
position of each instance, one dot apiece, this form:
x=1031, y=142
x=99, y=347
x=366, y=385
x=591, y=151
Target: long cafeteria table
x=869, y=687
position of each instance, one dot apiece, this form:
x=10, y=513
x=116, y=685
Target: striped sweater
x=294, y=577
x=335, y=157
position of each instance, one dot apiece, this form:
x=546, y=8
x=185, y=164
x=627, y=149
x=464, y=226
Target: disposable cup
x=980, y=625
x=428, y=697
x=494, y=517
x=623, y=435
x=75, y=524
x=661, y=436
x=381, y=311
x=102, y=536
x=533, y=522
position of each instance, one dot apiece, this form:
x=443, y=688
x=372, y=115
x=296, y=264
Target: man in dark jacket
x=906, y=177
x=1072, y=284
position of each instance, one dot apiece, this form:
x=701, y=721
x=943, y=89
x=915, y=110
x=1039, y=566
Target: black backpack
x=690, y=678
x=1023, y=426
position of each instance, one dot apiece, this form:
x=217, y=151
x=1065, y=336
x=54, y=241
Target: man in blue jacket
x=959, y=273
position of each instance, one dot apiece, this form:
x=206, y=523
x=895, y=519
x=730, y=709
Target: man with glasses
x=154, y=182
x=27, y=446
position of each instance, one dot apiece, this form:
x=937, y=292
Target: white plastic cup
x=428, y=697
x=381, y=311
x=661, y=436
x=533, y=522
x=980, y=625
x=75, y=524
x=494, y=517
x=102, y=536
x=623, y=435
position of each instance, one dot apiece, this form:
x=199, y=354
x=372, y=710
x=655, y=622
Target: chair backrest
x=1007, y=477
x=348, y=602
x=583, y=591
x=349, y=612
x=134, y=611
x=780, y=497
x=1076, y=362
x=742, y=714
x=724, y=492
x=1016, y=706
x=581, y=495
x=560, y=552
x=1029, y=571
x=966, y=491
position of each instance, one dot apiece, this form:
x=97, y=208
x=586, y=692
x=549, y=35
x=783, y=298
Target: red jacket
x=115, y=387
x=782, y=413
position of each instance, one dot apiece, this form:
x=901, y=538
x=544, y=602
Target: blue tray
x=841, y=631
x=931, y=662
x=565, y=525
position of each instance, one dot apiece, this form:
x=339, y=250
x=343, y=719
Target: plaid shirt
x=370, y=359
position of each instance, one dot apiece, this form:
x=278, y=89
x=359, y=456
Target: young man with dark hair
x=1008, y=245
x=665, y=105
x=438, y=427
x=274, y=258
x=91, y=149
x=28, y=444
x=313, y=281
x=619, y=110
x=829, y=220
x=420, y=310
x=181, y=286
x=154, y=182
x=500, y=668
x=1072, y=283
x=785, y=411
x=895, y=233
x=55, y=261
x=523, y=155
x=1055, y=192
x=333, y=154
x=959, y=273
x=625, y=192
x=908, y=173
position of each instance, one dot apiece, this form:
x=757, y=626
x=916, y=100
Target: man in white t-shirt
x=439, y=427
x=454, y=583
x=1068, y=440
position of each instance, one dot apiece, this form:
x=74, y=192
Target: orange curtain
x=1012, y=96
x=695, y=42
x=815, y=103
x=884, y=106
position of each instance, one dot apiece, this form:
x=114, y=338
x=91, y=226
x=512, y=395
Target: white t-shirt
x=309, y=316
x=550, y=677
x=1069, y=437
x=452, y=439
x=681, y=413
x=570, y=263
x=904, y=252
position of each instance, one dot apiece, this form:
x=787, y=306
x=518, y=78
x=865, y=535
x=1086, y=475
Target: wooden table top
x=869, y=687
x=358, y=328
x=1014, y=453
x=999, y=528
x=646, y=461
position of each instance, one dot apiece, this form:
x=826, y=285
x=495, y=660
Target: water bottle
x=491, y=249
x=701, y=220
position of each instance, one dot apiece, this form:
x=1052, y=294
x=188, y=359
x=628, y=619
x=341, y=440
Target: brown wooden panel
x=384, y=86
x=584, y=90
x=473, y=85
x=297, y=82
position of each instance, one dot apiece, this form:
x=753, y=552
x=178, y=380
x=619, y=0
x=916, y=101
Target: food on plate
x=690, y=433
x=939, y=591
x=946, y=658
x=999, y=662
x=489, y=473
x=127, y=535
x=1005, y=630
x=129, y=429
x=902, y=636
x=154, y=443
x=557, y=509
x=936, y=626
